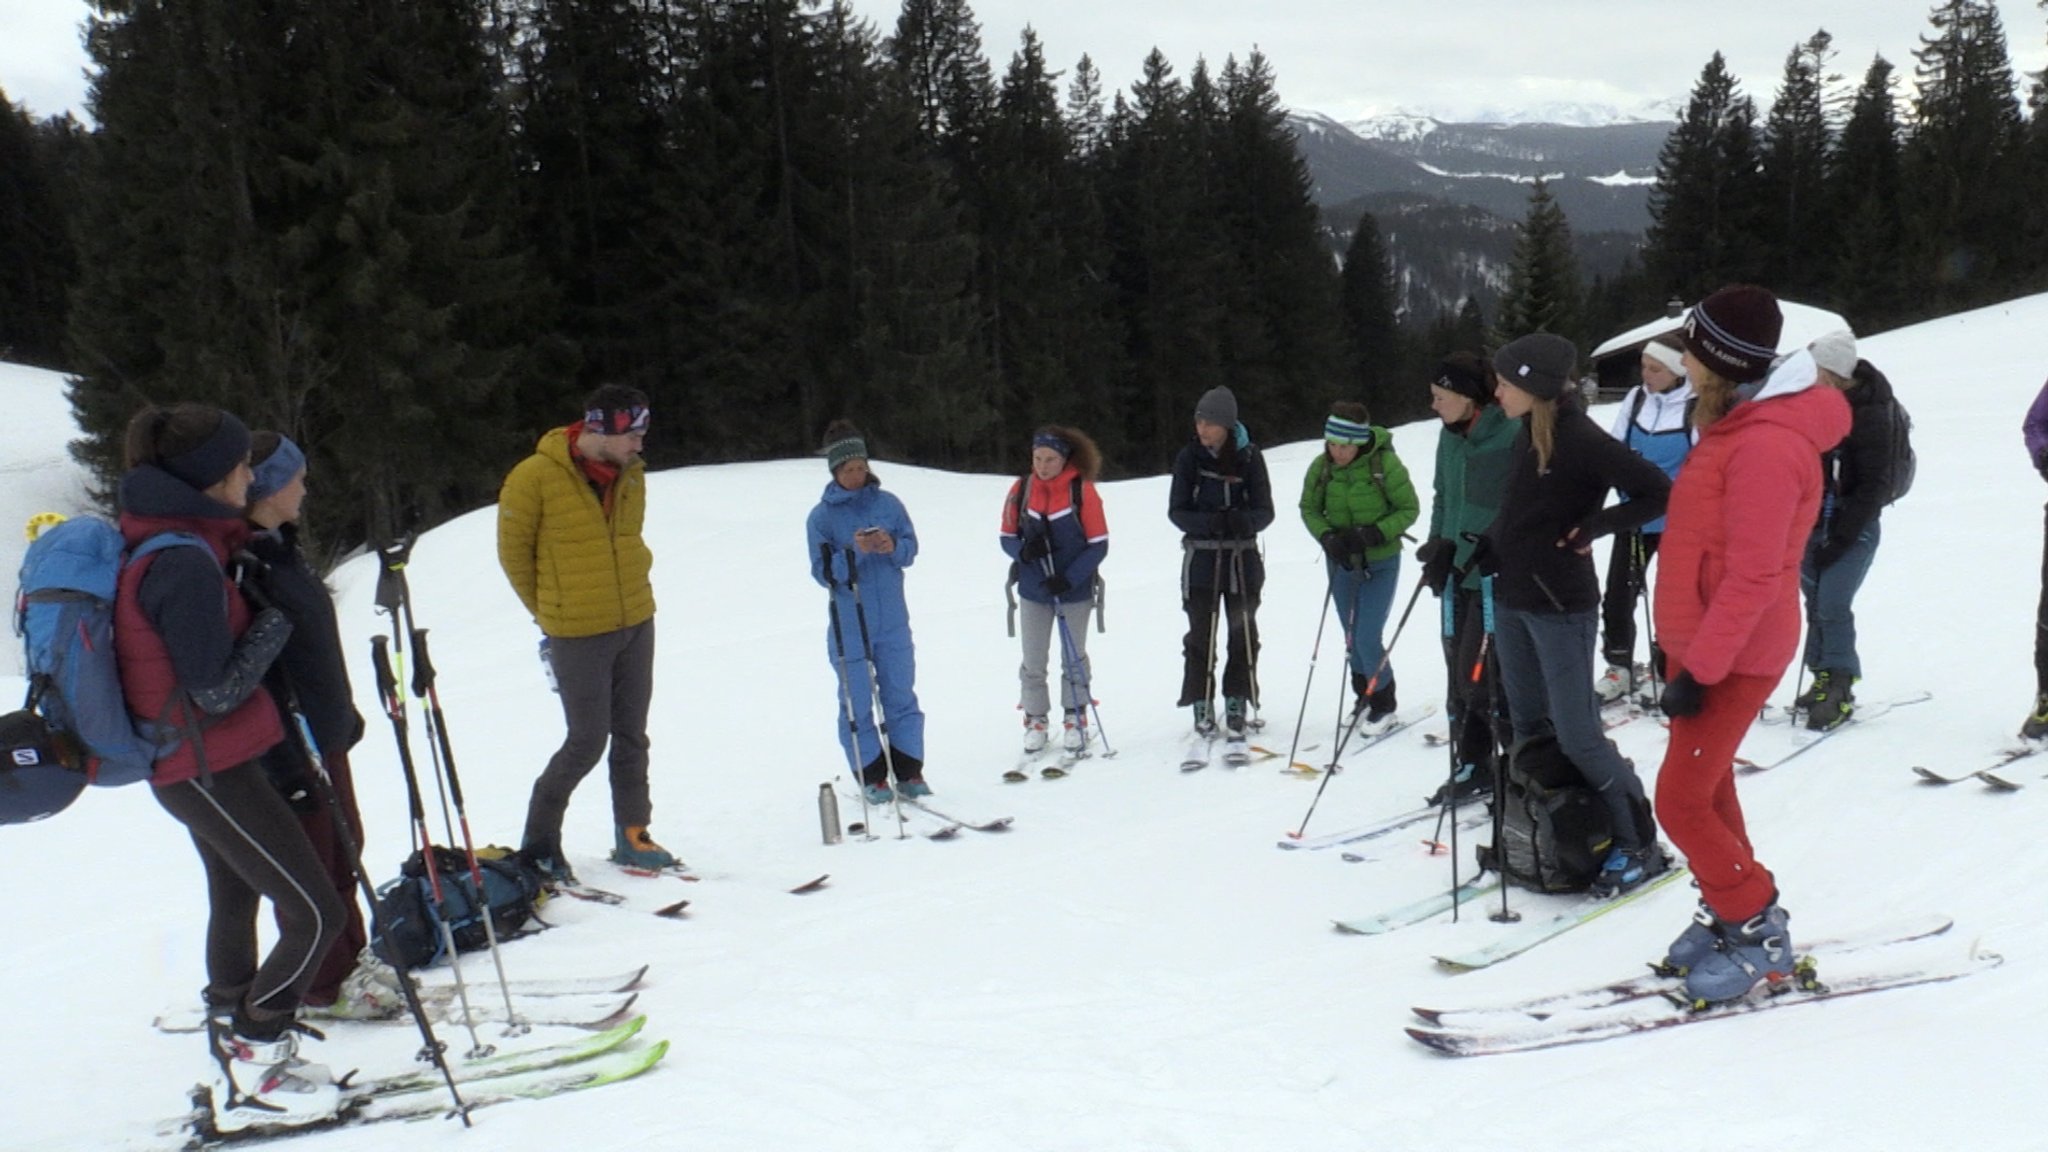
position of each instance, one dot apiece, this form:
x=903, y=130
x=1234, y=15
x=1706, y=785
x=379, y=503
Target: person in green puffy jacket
x=1356, y=501
x=1474, y=450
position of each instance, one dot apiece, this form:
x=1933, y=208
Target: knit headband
x=1671, y=358
x=1048, y=440
x=209, y=462
x=1338, y=430
x=840, y=451
x=277, y=469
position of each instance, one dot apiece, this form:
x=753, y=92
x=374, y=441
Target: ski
x=192, y=1018
x=1480, y=818
x=578, y=890
x=1381, y=923
x=999, y=824
x=2000, y=777
x=1669, y=1008
x=912, y=814
x=1199, y=750
x=1393, y=726
x=1652, y=984
x=1237, y=751
x=1358, y=835
x=360, y=1107
x=2007, y=757
x=1863, y=714
x=810, y=886
x=590, y=1010
x=1021, y=772
x=1526, y=936
x=679, y=870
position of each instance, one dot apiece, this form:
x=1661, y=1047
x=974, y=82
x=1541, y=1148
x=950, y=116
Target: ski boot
x=1700, y=937
x=1834, y=703
x=1361, y=693
x=1754, y=951
x=913, y=788
x=262, y=1081
x=1234, y=723
x=1469, y=783
x=1205, y=719
x=369, y=992
x=1627, y=869
x=634, y=848
x=2036, y=727
x=1074, y=735
x=1805, y=700
x=547, y=859
x=1034, y=735
x=1615, y=684
x=1379, y=706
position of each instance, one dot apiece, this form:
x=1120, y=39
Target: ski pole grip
x=852, y=568
x=380, y=660
x=422, y=664
x=825, y=559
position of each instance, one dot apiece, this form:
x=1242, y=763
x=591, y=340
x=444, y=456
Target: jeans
x=1831, y=602
x=1363, y=599
x=1546, y=664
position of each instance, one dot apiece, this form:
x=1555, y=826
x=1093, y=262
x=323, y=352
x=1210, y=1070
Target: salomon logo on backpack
x=1554, y=829
x=65, y=616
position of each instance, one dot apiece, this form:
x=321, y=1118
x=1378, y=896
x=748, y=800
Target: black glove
x=2041, y=463
x=1366, y=536
x=1231, y=524
x=1058, y=585
x=1485, y=559
x=1435, y=556
x=1334, y=545
x=1683, y=696
x=1830, y=550
x=1036, y=547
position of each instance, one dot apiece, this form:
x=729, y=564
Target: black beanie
x=1735, y=332
x=210, y=462
x=1465, y=374
x=1540, y=364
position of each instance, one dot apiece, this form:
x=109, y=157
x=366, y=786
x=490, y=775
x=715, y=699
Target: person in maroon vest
x=193, y=655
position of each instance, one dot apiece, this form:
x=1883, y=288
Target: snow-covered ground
x=1134, y=966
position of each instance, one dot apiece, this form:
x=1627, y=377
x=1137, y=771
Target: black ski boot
x=2036, y=727
x=1833, y=702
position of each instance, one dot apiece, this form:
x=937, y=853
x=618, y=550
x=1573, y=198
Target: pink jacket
x=1740, y=514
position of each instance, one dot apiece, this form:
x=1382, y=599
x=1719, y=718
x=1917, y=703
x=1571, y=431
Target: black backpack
x=1904, y=463
x=405, y=930
x=1554, y=829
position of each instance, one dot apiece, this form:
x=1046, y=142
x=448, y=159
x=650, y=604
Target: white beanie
x=1836, y=352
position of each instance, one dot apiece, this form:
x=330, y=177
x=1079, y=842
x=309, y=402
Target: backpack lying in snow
x=1554, y=829
x=405, y=931
x=64, y=613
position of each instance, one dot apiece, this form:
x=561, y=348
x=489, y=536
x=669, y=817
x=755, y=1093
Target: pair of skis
x=1237, y=749
x=1871, y=961
x=2000, y=776
x=1515, y=941
x=1863, y=714
x=528, y=1073
x=1369, y=738
x=935, y=824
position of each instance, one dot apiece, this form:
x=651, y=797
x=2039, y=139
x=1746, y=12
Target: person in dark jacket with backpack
x=1656, y=422
x=311, y=676
x=1054, y=530
x=1546, y=598
x=1356, y=501
x=2034, y=433
x=1858, y=475
x=1221, y=499
x=193, y=655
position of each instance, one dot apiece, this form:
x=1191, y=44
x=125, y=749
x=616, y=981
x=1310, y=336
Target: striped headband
x=1338, y=430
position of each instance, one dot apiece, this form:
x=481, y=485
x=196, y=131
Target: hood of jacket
x=1792, y=397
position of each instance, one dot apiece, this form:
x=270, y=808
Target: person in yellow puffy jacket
x=569, y=519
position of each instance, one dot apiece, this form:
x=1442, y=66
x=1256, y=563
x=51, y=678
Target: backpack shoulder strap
x=1635, y=410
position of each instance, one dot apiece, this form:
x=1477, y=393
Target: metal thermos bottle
x=828, y=813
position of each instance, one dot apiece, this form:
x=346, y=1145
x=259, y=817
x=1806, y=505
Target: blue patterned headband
x=1338, y=430
x=1048, y=440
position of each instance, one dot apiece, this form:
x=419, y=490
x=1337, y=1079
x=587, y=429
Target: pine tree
x=1962, y=160
x=1706, y=207
x=1798, y=229
x=1371, y=328
x=35, y=252
x=1870, y=276
x=1543, y=282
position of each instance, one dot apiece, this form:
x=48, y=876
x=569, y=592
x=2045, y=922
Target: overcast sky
x=1349, y=58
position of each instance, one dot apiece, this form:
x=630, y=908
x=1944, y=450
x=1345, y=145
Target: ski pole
x=1244, y=631
x=1074, y=669
x=845, y=690
x=393, y=598
x=444, y=752
x=432, y=1050
x=1314, y=653
x=1506, y=915
x=1372, y=683
x=394, y=707
x=879, y=713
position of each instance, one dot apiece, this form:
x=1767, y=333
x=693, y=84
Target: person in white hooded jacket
x=1656, y=421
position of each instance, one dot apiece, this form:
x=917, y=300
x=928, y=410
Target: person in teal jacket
x=857, y=524
x=1356, y=500
x=1474, y=449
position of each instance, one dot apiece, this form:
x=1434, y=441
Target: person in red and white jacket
x=1727, y=611
x=1054, y=529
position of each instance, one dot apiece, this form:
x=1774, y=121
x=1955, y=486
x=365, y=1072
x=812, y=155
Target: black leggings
x=1625, y=575
x=253, y=848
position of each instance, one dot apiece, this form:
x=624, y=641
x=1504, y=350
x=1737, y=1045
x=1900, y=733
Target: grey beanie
x=1540, y=364
x=1836, y=352
x=1217, y=406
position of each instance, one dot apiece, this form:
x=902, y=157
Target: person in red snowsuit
x=1728, y=615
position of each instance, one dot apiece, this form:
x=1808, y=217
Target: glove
x=1333, y=545
x=1036, y=547
x=1365, y=536
x=1683, y=696
x=1485, y=559
x=1058, y=585
x=1829, y=551
x=1435, y=556
x=1231, y=524
x=2041, y=463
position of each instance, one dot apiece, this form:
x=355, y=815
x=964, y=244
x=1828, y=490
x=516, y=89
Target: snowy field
x=1134, y=966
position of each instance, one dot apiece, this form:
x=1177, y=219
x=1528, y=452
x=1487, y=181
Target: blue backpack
x=65, y=616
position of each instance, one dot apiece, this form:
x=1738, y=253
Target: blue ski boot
x=1699, y=938
x=1757, y=950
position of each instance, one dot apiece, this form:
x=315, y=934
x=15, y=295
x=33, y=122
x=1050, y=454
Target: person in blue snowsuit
x=862, y=535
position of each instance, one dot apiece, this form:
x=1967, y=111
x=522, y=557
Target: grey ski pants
x=1040, y=634
x=607, y=685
